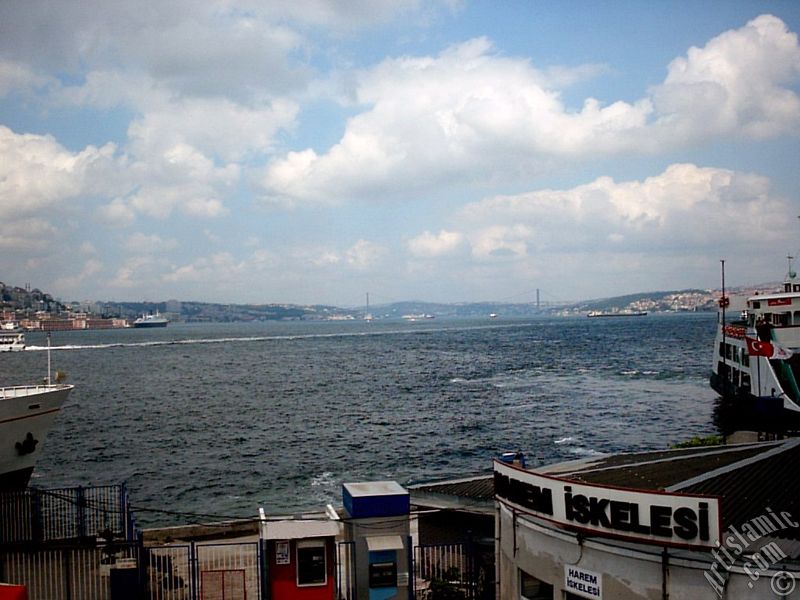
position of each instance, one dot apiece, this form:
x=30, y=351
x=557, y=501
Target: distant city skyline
x=447, y=151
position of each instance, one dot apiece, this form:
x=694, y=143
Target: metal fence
x=445, y=571
x=45, y=515
x=230, y=571
x=68, y=573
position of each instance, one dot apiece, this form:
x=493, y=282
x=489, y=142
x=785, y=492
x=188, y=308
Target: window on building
x=531, y=588
x=312, y=568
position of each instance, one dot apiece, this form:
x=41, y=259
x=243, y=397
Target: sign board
x=664, y=519
x=583, y=583
x=282, y=554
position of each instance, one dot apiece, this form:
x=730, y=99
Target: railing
x=68, y=573
x=34, y=516
x=232, y=571
x=446, y=570
x=27, y=390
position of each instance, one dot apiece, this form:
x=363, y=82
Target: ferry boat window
x=721, y=349
x=746, y=382
x=797, y=317
x=745, y=358
x=531, y=588
x=796, y=287
x=781, y=319
x=736, y=355
x=757, y=304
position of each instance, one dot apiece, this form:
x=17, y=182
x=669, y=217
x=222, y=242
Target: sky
x=312, y=151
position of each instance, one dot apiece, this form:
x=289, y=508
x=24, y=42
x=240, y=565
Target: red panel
x=779, y=302
x=283, y=578
x=13, y=592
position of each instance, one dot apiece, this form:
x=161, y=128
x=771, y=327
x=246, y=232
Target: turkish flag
x=758, y=348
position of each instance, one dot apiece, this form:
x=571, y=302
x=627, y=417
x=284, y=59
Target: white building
x=689, y=524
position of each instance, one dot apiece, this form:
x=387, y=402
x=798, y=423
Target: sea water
x=217, y=420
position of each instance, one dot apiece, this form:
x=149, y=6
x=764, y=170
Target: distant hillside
x=24, y=301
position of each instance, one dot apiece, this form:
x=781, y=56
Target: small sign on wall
x=282, y=555
x=583, y=583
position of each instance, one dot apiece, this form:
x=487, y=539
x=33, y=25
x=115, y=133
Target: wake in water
x=262, y=338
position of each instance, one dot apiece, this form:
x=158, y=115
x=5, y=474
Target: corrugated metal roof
x=657, y=471
x=474, y=488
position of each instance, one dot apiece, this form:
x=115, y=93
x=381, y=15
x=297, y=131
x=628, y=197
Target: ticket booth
x=377, y=525
x=300, y=558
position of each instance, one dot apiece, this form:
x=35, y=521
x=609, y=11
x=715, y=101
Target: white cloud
x=117, y=212
x=364, y=255
x=215, y=127
x=73, y=283
x=24, y=235
x=739, y=82
x=17, y=76
x=181, y=178
x=219, y=268
x=684, y=209
x=428, y=245
x=139, y=273
x=141, y=243
x=326, y=259
x=37, y=173
x=494, y=117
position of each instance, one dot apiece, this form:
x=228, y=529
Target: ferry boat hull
x=26, y=415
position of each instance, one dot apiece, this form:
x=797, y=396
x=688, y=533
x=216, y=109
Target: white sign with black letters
x=654, y=517
x=282, y=555
x=583, y=583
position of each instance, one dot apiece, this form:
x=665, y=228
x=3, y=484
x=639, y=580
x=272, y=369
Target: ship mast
x=723, y=302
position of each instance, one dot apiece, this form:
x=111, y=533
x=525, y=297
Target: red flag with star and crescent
x=758, y=348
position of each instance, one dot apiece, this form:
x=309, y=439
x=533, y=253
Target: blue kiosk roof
x=375, y=499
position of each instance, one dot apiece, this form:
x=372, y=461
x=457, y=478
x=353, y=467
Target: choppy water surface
x=221, y=419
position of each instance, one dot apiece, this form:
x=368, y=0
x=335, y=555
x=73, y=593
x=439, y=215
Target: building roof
x=748, y=478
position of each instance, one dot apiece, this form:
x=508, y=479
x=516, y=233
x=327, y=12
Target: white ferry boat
x=757, y=353
x=155, y=320
x=26, y=415
x=12, y=338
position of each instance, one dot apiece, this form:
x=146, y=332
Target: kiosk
x=300, y=558
x=378, y=527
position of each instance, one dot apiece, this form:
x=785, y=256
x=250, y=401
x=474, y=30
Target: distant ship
x=418, y=317
x=26, y=415
x=155, y=320
x=12, y=338
x=622, y=313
